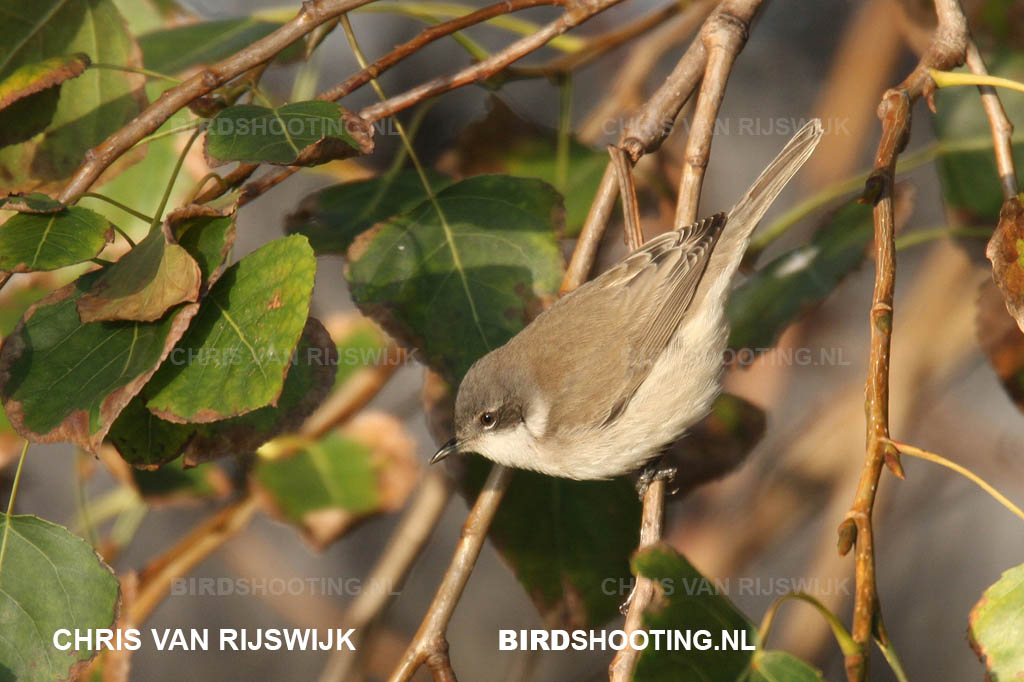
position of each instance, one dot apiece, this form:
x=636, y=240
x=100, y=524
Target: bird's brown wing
x=610, y=331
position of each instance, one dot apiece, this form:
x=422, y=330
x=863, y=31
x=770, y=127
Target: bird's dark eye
x=488, y=420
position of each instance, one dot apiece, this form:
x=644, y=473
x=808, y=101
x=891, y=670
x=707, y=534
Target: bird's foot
x=655, y=470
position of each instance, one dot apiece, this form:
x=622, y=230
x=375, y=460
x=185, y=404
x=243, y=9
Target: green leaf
x=997, y=627
x=33, y=78
x=174, y=484
x=328, y=484
x=176, y=49
x=692, y=603
x=207, y=234
x=49, y=580
x=299, y=134
x=62, y=380
x=47, y=241
x=779, y=666
x=772, y=298
x=239, y=348
x=146, y=441
x=333, y=217
x=144, y=284
x=572, y=582
x=457, y=287
x=89, y=108
x=970, y=182
x=30, y=202
x=502, y=142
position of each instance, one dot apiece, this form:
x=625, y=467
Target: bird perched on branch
x=600, y=383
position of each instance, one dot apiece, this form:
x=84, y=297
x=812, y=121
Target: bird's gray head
x=492, y=410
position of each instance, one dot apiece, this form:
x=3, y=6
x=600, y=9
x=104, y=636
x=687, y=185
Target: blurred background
x=940, y=539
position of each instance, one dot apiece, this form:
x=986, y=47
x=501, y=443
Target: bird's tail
x=748, y=211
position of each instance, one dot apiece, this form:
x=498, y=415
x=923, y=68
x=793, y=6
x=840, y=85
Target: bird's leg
x=655, y=470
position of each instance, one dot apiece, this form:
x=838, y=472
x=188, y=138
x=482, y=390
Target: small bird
x=616, y=370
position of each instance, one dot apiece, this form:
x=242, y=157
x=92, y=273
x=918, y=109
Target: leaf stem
x=913, y=451
x=167, y=133
x=10, y=504
x=132, y=69
x=155, y=222
x=127, y=209
x=81, y=500
x=842, y=635
x=945, y=79
x=429, y=10
x=916, y=237
x=564, y=123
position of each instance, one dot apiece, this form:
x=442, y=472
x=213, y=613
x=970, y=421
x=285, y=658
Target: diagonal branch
x=646, y=131
x=1002, y=129
x=723, y=37
x=97, y=159
x=947, y=50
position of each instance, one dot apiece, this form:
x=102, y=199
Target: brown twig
x=406, y=542
x=947, y=50
x=621, y=668
x=598, y=45
x=723, y=35
x=430, y=646
x=312, y=14
x=626, y=92
x=575, y=14
x=424, y=38
x=644, y=134
x=477, y=72
x=634, y=231
x=1002, y=129
x=202, y=541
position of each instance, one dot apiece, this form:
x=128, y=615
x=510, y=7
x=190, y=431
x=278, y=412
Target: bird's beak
x=449, y=448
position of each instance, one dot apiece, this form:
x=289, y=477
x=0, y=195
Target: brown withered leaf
x=1006, y=251
x=1002, y=341
x=145, y=283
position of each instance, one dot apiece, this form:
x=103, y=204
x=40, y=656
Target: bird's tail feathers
x=749, y=210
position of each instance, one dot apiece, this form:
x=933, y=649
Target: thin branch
x=424, y=38
x=202, y=541
x=413, y=530
x=430, y=645
x=1002, y=129
x=644, y=134
x=97, y=159
x=598, y=45
x=947, y=50
x=621, y=668
x=575, y=14
x=634, y=232
x=723, y=37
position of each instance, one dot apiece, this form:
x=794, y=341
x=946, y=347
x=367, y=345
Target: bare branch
x=312, y=14
x=724, y=35
x=634, y=231
x=575, y=14
x=644, y=134
x=407, y=541
x=1002, y=129
x=621, y=668
x=947, y=50
x=202, y=541
x=430, y=646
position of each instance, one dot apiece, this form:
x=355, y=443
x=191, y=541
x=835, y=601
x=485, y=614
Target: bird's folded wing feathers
x=639, y=304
